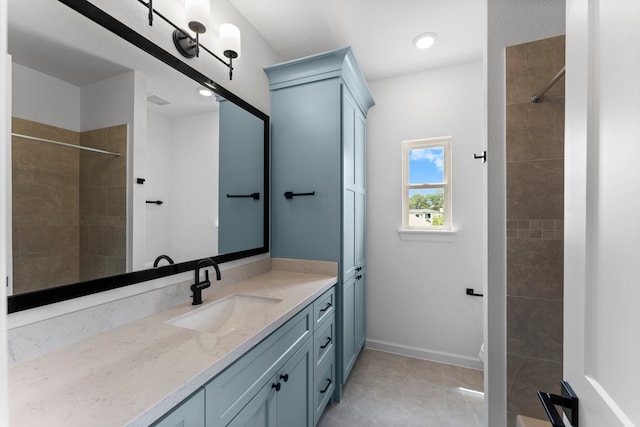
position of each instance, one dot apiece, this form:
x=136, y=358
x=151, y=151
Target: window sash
x=407, y=146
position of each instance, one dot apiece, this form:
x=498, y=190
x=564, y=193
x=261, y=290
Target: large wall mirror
x=117, y=159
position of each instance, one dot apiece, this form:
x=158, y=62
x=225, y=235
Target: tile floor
x=388, y=390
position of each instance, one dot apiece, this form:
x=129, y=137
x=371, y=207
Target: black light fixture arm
x=189, y=41
x=150, y=12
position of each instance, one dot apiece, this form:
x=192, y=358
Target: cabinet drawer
x=324, y=307
x=324, y=341
x=324, y=385
x=230, y=391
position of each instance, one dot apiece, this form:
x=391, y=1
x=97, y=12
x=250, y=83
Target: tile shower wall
x=69, y=207
x=45, y=207
x=103, y=203
x=535, y=205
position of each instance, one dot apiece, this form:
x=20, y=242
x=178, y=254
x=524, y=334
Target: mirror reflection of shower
x=69, y=204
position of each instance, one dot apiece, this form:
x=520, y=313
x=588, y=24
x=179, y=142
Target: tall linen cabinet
x=319, y=106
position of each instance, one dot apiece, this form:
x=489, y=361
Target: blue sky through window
x=426, y=165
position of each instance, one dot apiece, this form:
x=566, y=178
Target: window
x=426, y=184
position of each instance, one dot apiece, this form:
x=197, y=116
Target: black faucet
x=198, y=286
x=161, y=257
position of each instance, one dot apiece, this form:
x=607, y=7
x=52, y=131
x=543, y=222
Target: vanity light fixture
x=425, y=40
x=197, y=14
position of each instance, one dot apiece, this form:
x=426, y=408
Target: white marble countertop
x=133, y=374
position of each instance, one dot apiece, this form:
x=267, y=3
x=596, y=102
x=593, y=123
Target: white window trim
x=413, y=144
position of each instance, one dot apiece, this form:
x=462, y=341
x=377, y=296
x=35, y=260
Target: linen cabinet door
x=305, y=130
x=349, y=185
x=359, y=311
x=348, y=327
x=360, y=189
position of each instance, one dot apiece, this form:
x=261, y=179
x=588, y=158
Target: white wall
x=510, y=22
x=117, y=100
x=158, y=187
x=182, y=172
x=44, y=99
x=416, y=301
x=194, y=186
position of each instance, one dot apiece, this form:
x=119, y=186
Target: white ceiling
x=380, y=32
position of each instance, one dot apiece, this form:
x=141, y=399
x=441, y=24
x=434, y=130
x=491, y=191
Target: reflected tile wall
x=103, y=203
x=68, y=206
x=535, y=205
x=44, y=207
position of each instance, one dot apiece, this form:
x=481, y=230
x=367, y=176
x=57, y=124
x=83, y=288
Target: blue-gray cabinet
x=190, y=413
x=318, y=139
x=285, y=399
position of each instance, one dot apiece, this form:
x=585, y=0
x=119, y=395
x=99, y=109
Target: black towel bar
x=254, y=196
x=291, y=194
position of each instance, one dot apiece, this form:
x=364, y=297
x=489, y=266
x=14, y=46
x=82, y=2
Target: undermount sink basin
x=227, y=314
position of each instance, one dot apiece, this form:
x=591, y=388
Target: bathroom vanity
x=270, y=362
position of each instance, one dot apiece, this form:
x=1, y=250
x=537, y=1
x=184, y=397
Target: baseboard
x=420, y=353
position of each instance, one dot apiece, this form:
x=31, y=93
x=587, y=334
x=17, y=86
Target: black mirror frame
x=39, y=298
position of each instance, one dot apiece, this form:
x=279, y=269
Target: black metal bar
x=155, y=202
x=150, y=13
x=568, y=401
x=471, y=292
x=291, y=194
x=254, y=196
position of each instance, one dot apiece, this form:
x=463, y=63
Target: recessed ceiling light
x=425, y=40
x=204, y=91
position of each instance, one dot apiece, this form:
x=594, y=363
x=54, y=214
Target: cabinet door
x=305, y=156
x=359, y=314
x=295, y=398
x=260, y=411
x=348, y=327
x=349, y=153
x=360, y=188
x=189, y=413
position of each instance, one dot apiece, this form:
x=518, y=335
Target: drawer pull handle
x=329, y=305
x=276, y=386
x=327, y=344
x=327, y=387
x=284, y=377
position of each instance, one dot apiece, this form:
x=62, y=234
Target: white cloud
x=434, y=155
